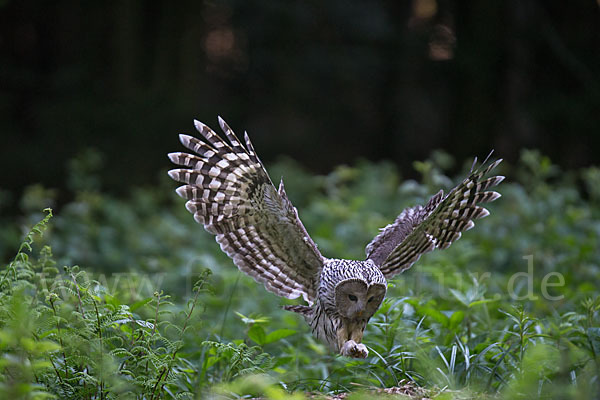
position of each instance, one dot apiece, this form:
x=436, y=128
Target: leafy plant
x=512, y=310
x=63, y=335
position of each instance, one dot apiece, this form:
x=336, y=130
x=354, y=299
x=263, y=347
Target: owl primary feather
x=229, y=192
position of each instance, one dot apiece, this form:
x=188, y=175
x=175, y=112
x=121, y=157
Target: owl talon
x=353, y=349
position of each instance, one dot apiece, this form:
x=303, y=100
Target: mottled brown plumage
x=419, y=230
x=229, y=192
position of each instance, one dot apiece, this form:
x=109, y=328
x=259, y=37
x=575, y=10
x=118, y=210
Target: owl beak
x=359, y=313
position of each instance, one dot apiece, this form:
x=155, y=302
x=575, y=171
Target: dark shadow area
x=322, y=82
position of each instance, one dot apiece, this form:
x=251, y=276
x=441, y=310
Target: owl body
x=229, y=192
x=350, y=292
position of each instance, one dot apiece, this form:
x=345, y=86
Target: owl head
x=357, y=299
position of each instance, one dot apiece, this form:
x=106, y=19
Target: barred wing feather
x=421, y=229
x=230, y=193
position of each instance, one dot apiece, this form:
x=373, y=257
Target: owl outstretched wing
x=421, y=229
x=230, y=193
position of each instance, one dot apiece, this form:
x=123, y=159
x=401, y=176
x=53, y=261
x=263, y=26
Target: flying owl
x=229, y=192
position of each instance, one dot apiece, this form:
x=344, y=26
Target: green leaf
x=139, y=304
x=459, y=296
x=210, y=361
x=278, y=335
x=434, y=314
x=456, y=319
x=594, y=338
x=484, y=301
x=257, y=334
x=249, y=320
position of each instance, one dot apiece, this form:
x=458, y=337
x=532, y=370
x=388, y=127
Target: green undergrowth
x=128, y=298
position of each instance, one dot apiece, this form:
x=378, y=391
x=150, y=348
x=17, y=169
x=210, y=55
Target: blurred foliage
x=512, y=310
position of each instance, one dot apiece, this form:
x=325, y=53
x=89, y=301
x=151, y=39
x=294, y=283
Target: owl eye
x=352, y=297
x=371, y=299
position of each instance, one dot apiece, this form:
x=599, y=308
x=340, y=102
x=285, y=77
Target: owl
x=230, y=193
